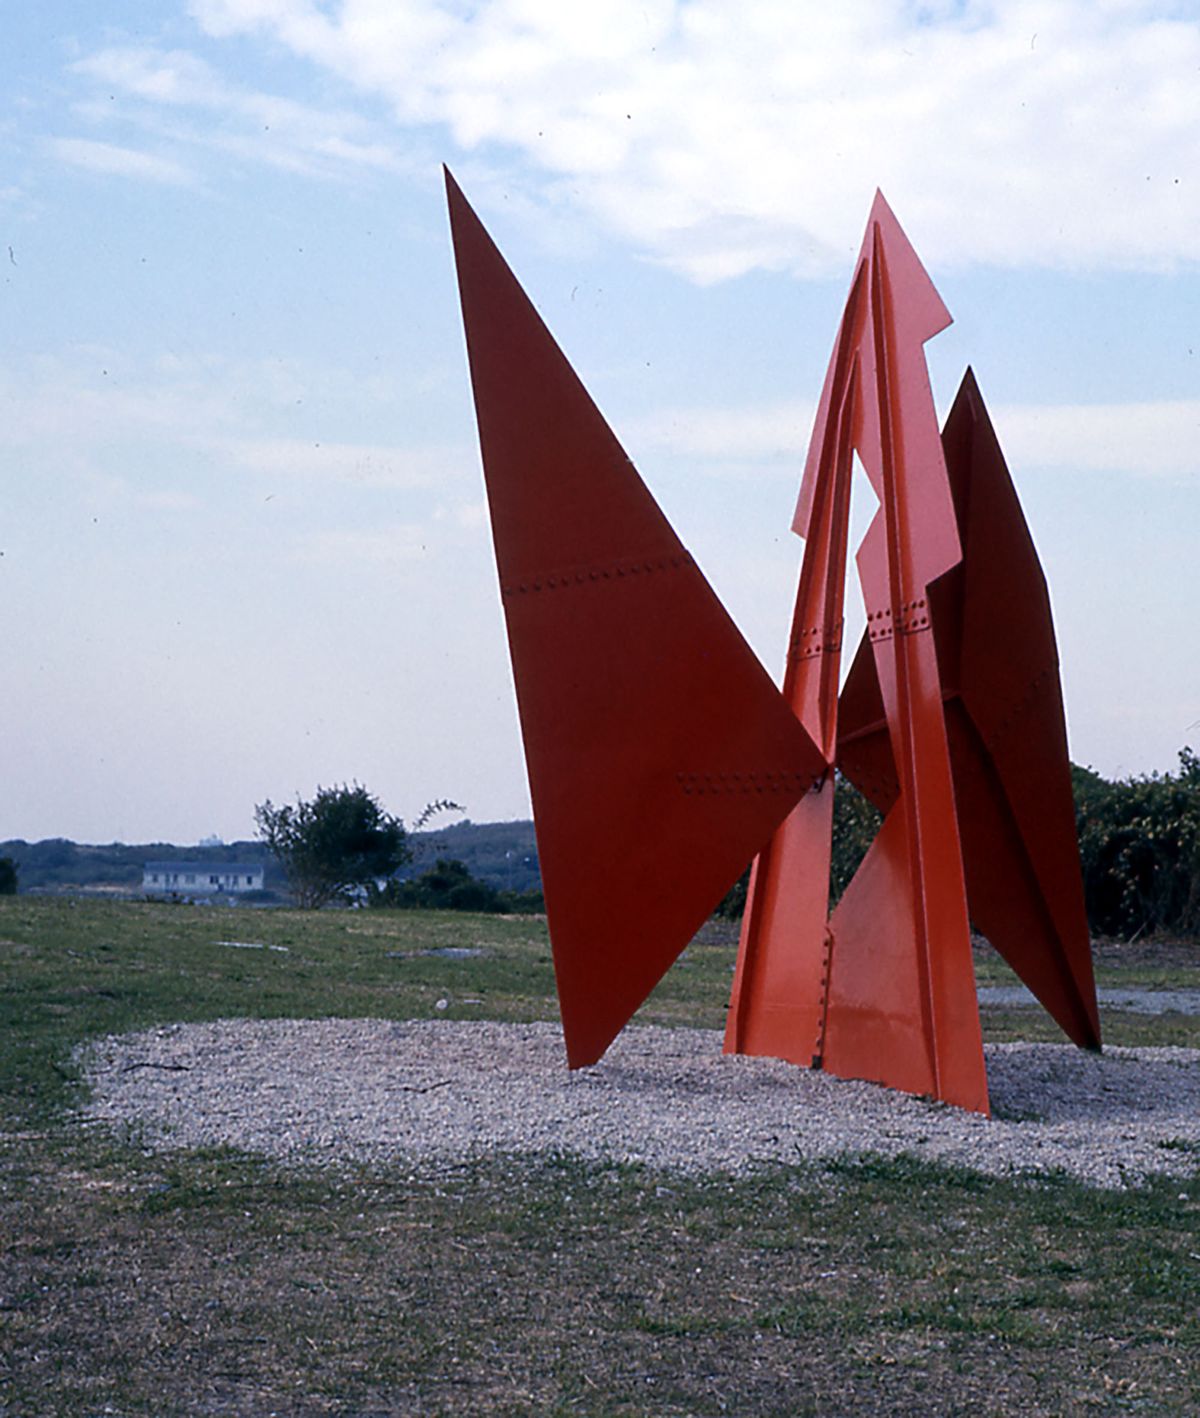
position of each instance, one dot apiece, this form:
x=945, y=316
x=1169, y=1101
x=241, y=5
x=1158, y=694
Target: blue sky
x=245, y=547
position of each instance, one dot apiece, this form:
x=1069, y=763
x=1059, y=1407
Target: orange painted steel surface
x=661, y=757
x=896, y=997
x=1008, y=745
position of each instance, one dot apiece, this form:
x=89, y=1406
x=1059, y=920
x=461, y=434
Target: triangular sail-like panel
x=661, y=757
x=1008, y=737
x=1006, y=730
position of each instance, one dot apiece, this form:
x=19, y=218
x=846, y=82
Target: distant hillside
x=502, y=853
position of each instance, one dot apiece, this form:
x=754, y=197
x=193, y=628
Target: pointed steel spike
x=899, y=1005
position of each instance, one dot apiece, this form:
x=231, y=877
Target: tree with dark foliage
x=450, y=886
x=340, y=841
x=1139, y=840
x=8, y=877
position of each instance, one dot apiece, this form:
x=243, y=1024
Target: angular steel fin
x=660, y=755
x=1006, y=730
x=1012, y=773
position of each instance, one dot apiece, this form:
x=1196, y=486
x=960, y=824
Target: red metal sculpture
x=661, y=757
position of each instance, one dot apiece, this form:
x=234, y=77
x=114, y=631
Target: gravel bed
x=333, y=1091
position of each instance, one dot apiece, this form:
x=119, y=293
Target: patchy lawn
x=213, y=1283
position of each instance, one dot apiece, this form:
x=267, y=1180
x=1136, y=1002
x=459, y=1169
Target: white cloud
x=111, y=160
x=762, y=431
x=727, y=135
x=160, y=76
x=366, y=464
x=198, y=395
x=183, y=100
x=111, y=399
x=1152, y=439
x=142, y=428
x=170, y=500
x=348, y=548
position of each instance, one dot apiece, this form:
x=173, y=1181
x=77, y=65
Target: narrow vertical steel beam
x=889, y=990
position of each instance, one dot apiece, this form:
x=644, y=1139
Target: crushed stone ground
x=365, y=1090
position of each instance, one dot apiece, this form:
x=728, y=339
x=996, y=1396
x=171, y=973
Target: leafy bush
x=1139, y=842
x=449, y=886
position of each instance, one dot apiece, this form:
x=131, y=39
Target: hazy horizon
x=245, y=548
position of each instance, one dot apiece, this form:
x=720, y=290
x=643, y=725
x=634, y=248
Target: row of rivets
x=701, y=783
x=905, y=609
x=809, y=651
x=913, y=626
x=817, y=640
x=564, y=580
x=818, y=1053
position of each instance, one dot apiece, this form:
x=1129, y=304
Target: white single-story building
x=201, y=878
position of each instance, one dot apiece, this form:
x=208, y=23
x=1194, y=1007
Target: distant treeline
x=56, y=864
x=1139, y=841
x=450, y=885
x=501, y=854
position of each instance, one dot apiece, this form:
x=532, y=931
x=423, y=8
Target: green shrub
x=1139, y=843
x=449, y=886
x=334, y=845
